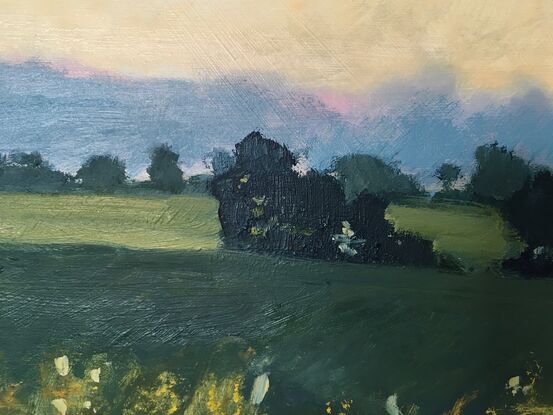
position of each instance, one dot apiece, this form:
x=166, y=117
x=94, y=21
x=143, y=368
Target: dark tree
x=31, y=173
x=265, y=205
x=448, y=174
x=529, y=211
x=499, y=173
x=102, y=173
x=164, y=171
x=360, y=173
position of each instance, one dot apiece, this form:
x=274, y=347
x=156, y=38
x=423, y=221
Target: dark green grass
x=323, y=330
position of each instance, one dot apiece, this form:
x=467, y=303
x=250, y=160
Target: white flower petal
x=259, y=389
x=62, y=365
x=60, y=405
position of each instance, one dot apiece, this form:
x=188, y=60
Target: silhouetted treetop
x=448, y=174
x=257, y=153
x=164, y=172
x=360, y=173
x=33, y=160
x=102, y=172
x=499, y=173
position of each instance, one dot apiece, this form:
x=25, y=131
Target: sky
x=414, y=82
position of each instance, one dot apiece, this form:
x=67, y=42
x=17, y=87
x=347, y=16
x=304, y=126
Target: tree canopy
x=360, y=173
x=499, y=173
x=102, y=173
x=448, y=174
x=164, y=172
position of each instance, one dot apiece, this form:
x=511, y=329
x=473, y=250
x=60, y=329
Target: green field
x=475, y=235
x=140, y=222
x=178, y=315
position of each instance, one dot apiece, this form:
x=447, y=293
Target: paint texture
x=262, y=207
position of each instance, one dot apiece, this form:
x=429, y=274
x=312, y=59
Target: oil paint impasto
x=292, y=207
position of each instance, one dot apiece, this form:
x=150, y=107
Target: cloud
x=414, y=121
x=346, y=46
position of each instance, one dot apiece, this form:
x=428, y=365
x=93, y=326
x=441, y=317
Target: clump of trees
x=499, y=173
x=29, y=172
x=266, y=205
x=104, y=173
x=523, y=193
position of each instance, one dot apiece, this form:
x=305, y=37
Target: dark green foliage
x=266, y=205
x=530, y=210
x=102, y=173
x=383, y=244
x=33, y=160
x=164, y=171
x=499, y=173
x=360, y=173
x=448, y=174
x=29, y=172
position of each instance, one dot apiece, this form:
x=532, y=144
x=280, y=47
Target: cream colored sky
x=342, y=45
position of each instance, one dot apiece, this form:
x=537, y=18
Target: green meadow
x=475, y=235
x=138, y=222
x=141, y=286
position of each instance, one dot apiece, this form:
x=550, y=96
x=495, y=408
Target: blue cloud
x=68, y=119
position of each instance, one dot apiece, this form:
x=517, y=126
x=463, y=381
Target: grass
x=139, y=222
x=475, y=235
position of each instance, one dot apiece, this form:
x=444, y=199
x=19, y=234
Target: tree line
x=339, y=214
x=266, y=203
x=99, y=173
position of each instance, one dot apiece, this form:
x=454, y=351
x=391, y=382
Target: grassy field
x=475, y=235
x=207, y=321
x=323, y=331
x=140, y=222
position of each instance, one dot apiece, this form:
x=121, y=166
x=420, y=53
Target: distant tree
x=221, y=161
x=33, y=160
x=360, y=173
x=102, y=173
x=499, y=173
x=448, y=174
x=29, y=172
x=164, y=171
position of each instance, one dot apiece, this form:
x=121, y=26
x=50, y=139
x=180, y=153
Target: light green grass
x=141, y=222
x=475, y=235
